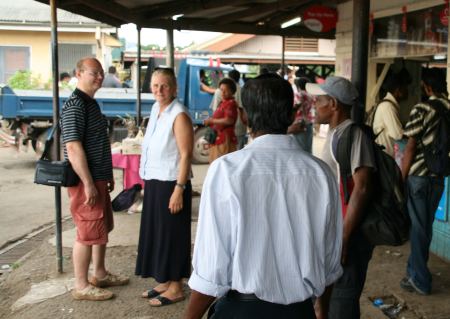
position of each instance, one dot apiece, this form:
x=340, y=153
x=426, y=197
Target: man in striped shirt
x=424, y=188
x=86, y=145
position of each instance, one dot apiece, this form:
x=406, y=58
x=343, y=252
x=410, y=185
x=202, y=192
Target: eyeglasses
x=95, y=74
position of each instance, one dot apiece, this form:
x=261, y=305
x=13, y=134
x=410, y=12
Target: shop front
x=413, y=36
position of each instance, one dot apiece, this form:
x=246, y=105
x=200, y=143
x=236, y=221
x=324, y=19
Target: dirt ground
x=386, y=268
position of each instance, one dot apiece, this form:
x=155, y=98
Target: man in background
x=111, y=80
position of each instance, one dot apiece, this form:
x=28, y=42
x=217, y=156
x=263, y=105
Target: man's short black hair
x=235, y=75
x=64, y=75
x=435, y=78
x=230, y=83
x=268, y=100
x=301, y=82
x=112, y=69
x=396, y=80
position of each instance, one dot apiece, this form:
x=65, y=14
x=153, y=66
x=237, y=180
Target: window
x=13, y=59
x=69, y=54
x=301, y=45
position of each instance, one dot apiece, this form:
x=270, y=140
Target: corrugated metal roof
x=30, y=11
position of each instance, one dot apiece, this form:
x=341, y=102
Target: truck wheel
x=201, y=150
x=39, y=143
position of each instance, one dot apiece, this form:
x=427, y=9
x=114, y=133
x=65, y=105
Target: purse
x=54, y=173
x=210, y=135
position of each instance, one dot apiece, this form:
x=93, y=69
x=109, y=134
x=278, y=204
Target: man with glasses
x=333, y=103
x=87, y=147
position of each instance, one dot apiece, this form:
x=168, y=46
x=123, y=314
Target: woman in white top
x=165, y=236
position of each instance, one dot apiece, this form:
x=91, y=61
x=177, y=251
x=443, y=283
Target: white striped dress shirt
x=270, y=223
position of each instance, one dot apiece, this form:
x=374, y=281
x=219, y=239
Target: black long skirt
x=164, y=250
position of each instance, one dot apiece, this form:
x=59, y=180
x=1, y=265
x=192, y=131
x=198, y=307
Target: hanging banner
x=319, y=18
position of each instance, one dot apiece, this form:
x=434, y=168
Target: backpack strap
x=49, y=140
x=438, y=106
x=342, y=155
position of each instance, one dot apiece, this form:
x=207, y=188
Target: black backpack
x=386, y=221
x=437, y=153
x=126, y=198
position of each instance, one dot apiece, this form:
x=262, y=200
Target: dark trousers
x=424, y=194
x=232, y=306
x=347, y=290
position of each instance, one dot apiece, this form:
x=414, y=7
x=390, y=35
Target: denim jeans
x=424, y=193
x=344, y=303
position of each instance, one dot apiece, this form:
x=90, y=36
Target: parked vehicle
x=27, y=115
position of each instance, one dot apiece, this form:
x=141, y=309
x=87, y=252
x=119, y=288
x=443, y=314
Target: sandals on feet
x=163, y=301
x=92, y=293
x=109, y=281
x=151, y=293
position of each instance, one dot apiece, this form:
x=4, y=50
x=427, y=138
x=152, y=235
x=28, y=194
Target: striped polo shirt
x=82, y=120
x=422, y=121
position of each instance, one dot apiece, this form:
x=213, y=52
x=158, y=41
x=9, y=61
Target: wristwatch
x=182, y=186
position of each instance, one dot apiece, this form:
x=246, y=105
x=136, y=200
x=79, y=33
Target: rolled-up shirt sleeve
x=215, y=239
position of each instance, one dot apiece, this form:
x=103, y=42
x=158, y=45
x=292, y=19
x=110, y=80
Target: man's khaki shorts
x=93, y=223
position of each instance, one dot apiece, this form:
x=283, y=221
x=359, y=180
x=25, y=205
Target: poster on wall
x=408, y=34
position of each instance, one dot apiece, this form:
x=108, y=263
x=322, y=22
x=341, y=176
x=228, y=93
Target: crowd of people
x=275, y=238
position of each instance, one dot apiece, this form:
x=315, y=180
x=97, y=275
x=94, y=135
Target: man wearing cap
x=333, y=102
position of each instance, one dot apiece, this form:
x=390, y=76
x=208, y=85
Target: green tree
x=23, y=80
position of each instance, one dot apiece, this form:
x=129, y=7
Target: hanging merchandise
x=371, y=24
x=443, y=15
x=404, y=20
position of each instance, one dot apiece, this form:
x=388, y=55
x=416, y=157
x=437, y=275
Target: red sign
x=320, y=18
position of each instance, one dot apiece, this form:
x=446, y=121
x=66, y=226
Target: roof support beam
x=168, y=10
x=260, y=9
x=110, y=9
x=245, y=28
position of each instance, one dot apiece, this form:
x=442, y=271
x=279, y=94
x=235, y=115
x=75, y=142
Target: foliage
x=23, y=80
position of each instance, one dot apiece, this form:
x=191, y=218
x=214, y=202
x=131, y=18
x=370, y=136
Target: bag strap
x=438, y=106
x=342, y=155
x=49, y=140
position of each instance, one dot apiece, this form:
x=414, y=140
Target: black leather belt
x=236, y=295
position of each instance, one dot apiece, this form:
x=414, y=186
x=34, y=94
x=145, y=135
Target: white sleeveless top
x=160, y=157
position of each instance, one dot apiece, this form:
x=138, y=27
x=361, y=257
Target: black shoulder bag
x=54, y=173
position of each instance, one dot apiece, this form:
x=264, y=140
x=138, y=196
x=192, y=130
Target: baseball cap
x=338, y=87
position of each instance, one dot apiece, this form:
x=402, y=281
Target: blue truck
x=26, y=115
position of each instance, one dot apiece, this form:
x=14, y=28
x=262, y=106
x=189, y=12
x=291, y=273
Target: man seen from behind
x=424, y=189
x=264, y=248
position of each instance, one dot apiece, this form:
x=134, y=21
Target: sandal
x=92, y=293
x=109, y=280
x=151, y=293
x=165, y=301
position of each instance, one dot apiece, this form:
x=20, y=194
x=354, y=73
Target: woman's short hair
x=169, y=72
x=268, y=101
x=230, y=83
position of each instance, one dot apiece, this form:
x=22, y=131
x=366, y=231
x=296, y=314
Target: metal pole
x=283, y=48
x=360, y=49
x=56, y=140
x=138, y=98
x=170, y=59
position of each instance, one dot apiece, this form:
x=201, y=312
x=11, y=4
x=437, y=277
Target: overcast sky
x=158, y=36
